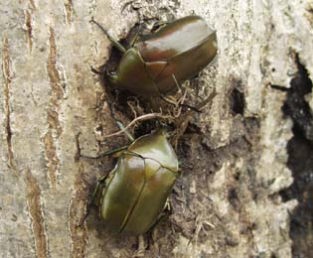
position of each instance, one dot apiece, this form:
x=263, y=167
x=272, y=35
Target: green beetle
x=133, y=195
x=155, y=64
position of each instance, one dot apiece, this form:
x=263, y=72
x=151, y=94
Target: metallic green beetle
x=133, y=195
x=174, y=53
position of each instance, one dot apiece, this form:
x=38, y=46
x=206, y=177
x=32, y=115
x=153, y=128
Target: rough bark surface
x=238, y=157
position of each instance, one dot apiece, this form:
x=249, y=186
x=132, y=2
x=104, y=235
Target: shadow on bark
x=300, y=162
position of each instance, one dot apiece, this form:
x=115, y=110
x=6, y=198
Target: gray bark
x=226, y=202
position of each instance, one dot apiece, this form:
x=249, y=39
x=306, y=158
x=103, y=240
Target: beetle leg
x=107, y=153
x=140, y=252
x=112, y=77
x=135, y=37
x=168, y=205
x=95, y=195
x=100, y=156
x=179, y=103
x=115, y=43
x=176, y=82
x=207, y=100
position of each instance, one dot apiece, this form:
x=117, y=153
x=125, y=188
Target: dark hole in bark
x=237, y=99
x=296, y=107
x=300, y=162
x=233, y=198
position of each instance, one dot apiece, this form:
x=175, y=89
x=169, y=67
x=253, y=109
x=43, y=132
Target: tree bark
x=235, y=156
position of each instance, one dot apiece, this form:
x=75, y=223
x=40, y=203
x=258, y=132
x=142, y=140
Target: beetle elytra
x=133, y=195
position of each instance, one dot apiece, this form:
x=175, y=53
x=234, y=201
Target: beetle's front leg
x=95, y=197
x=168, y=205
x=135, y=37
x=140, y=252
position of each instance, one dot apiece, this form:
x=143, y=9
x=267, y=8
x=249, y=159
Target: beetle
x=133, y=195
x=158, y=62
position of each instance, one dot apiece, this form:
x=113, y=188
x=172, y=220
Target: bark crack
x=53, y=161
x=55, y=81
x=77, y=208
x=7, y=75
x=54, y=126
x=29, y=29
x=35, y=210
x=32, y=3
x=69, y=10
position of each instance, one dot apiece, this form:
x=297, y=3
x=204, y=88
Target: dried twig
x=140, y=118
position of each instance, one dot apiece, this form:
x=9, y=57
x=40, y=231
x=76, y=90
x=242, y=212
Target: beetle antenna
x=115, y=43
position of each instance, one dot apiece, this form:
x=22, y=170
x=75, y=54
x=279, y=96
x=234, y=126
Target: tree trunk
x=237, y=156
